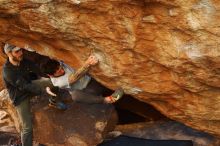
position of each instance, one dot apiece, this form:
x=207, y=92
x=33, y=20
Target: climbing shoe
x=116, y=95
x=57, y=104
x=14, y=142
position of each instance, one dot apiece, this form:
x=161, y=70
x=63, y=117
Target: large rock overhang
x=161, y=52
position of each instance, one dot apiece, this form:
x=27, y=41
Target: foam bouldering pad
x=132, y=141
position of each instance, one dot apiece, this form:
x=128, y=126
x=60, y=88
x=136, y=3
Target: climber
x=81, y=86
x=18, y=78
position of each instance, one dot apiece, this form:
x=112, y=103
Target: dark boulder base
x=132, y=141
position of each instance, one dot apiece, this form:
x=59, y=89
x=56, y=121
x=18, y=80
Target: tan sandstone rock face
x=8, y=116
x=163, y=52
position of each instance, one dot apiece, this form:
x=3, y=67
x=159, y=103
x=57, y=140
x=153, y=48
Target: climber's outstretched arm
x=92, y=60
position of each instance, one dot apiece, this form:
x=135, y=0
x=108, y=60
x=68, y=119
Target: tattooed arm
x=92, y=60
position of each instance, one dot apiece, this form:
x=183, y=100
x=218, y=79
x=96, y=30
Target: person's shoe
x=14, y=142
x=118, y=94
x=115, y=96
x=57, y=104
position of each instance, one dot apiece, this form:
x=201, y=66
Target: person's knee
x=75, y=93
x=27, y=130
x=27, y=127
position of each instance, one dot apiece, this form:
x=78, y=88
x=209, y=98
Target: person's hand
x=50, y=92
x=92, y=60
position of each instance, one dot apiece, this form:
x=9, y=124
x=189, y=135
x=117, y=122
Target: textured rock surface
x=8, y=115
x=81, y=124
x=163, y=52
x=6, y=123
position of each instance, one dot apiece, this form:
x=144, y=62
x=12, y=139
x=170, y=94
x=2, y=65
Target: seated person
x=80, y=85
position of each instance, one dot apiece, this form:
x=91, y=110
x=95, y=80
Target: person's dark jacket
x=17, y=80
x=38, y=59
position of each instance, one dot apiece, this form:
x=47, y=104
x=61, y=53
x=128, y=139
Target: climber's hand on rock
x=92, y=60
